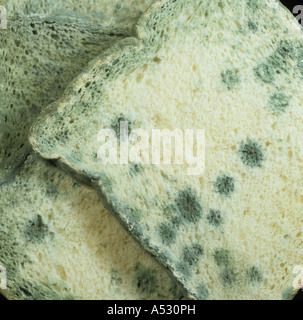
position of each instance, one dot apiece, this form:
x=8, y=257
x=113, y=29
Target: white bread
x=39, y=58
x=232, y=68
x=57, y=241
x=126, y=9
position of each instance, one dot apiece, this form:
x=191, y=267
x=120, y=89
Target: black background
x=290, y=5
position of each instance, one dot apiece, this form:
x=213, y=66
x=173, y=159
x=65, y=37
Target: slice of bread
x=57, y=241
x=232, y=68
x=39, y=57
x=118, y=8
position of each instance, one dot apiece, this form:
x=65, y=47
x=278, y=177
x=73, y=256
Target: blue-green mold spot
x=36, y=230
x=116, y=125
x=276, y=62
x=202, y=292
x=184, y=269
x=253, y=4
x=146, y=280
x=224, y=185
x=132, y=213
x=286, y=49
x=51, y=191
x=278, y=102
x=167, y=233
x=214, y=218
x=136, y=169
x=176, y=292
x=176, y=222
x=265, y=72
x=188, y=207
x=252, y=26
x=115, y=278
x=191, y=254
x=251, y=154
x=222, y=257
x=76, y=185
x=284, y=52
x=288, y=293
x=230, y=78
x=254, y=275
x=228, y=277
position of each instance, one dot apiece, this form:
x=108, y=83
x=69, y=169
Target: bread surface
x=57, y=241
x=235, y=70
x=40, y=56
x=125, y=9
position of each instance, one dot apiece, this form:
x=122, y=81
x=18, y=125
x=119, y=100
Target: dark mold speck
x=146, y=280
x=222, y=257
x=230, y=78
x=278, y=102
x=254, y=275
x=228, y=277
x=286, y=49
x=51, y=191
x=253, y=4
x=36, y=230
x=175, y=221
x=132, y=213
x=202, y=292
x=252, y=26
x=265, y=72
x=167, y=233
x=184, y=269
x=191, y=254
x=276, y=62
x=224, y=185
x=188, y=206
x=116, y=124
x=136, y=169
x=251, y=154
x=176, y=292
x=214, y=218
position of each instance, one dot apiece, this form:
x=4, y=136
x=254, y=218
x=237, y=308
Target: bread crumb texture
x=125, y=9
x=57, y=241
x=232, y=68
x=39, y=57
